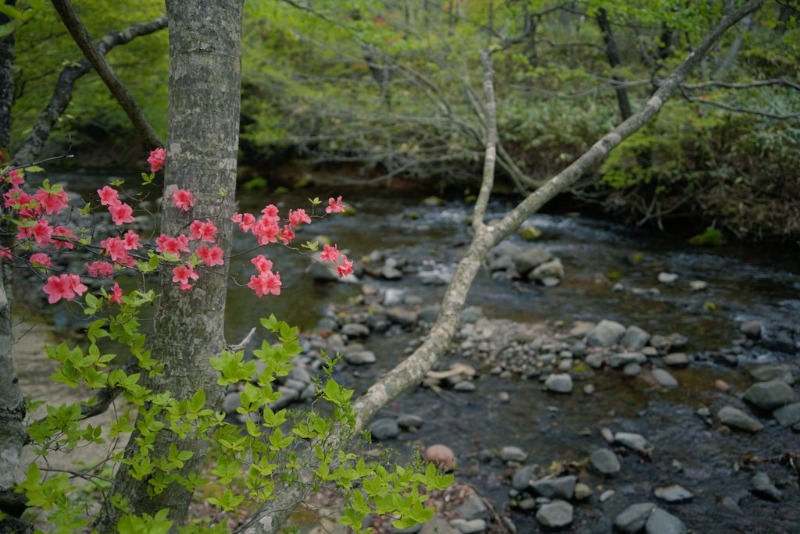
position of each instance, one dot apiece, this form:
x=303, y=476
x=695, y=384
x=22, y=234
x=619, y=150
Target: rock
x=664, y=379
x=621, y=359
x=665, y=343
x=722, y=386
x=527, y=259
x=549, y=269
x=555, y=514
x=441, y=456
x=634, y=517
x=555, y=488
x=390, y=272
x=605, y=334
x=733, y=417
x=582, y=491
x=438, y=525
x=673, y=493
x=636, y=442
x=594, y=360
x=788, y=415
x=465, y=386
x=667, y=278
x=588, y=389
x=472, y=526
x=632, y=369
x=472, y=508
x=698, y=285
x=408, y=420
x=770, y=395
x=581, y=328
x=559, y=383
x=393, y=297
x=751, y=329
x=384, y=429
x=358, y=357
x=522, y=478
x=232, y=401
x=765, y=373
x=471, y=314
x=550, y=281
x=402, y=316
x=429, y=314
x=509, y=453
x=731, y=505
x=635, y=338
x=288, y=396
x=763, y=487
x=607, y=495
x=676, y=359
x=662, y=522
x=605, y=461
x=355, y=330
x=529, y=232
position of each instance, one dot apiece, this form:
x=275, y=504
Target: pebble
x=408, y=420
x=555, y=514
x=607, y=495
x=522, y=477
x=621, y=359
x=589, y=389
x=734, y=417
x=636, y=442
x=555, y=488
x=662, y=522
x=676, y=359
x=472, y=526
x=607, y=434
x=667, y=278
x=731, y=505
x=359, y=357
x=788, y=415
x=510, y=453
x=437, y=525
x=355, y=330
x=605, y=334
x=595, y=360
x=664, y=379
x=559, y=383
x=763, y=487
x=472, y=508
x=770, y=395
x=634, y=517
x=441, y=456
x=698, y=285
x=384, y=429
x=722, y=386
x=582, y=491
x=504, y=396
x=632, y=369
x=605, y=461
x=673, y=493
x=465, y=386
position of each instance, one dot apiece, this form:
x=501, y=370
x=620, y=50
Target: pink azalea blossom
x=270, y=211
x=345, y=268
x=335, y=205
x=97, y=269
x=65, y=286
x=204, y=231
x=51, y=202
x=266, y=283
x=115, y=248
x=131, y=240
x=286, y=235
x=172, y=245
x=330, y=253
x=16, y=198
x=183, y=199
x=5, y=253
x=41, y=259
x=63, y=238
x=108, y=196
x=246, y=221
x=266, y=230
x=121, y=213
x=15, y=178
x=183, y=274
x=262, y=264
x=298, y=216
x=157, y=159
x=116, y=294
x=210, y=256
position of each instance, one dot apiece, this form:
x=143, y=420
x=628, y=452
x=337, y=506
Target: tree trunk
x=204, y=98
x=612, y=55
x=6, y=82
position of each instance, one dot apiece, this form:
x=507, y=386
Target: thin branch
x=490, y=113
x=740, y=109
x=743, y=85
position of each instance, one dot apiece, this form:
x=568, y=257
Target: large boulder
x=605, y=334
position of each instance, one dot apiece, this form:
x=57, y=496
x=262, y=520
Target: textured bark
x=612, y=55
x=78, y=31
x=6, y=82
x=270, y=517
x=62, y=94
x=204, y=89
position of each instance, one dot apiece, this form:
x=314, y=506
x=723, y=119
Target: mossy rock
x=529, y=232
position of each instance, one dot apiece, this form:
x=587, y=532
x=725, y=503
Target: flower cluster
x=186, y=251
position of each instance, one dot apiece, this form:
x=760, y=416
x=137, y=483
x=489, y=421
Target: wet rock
x=393, y=297
x=581, y=328
x=472, y=508
x=465, y=386
x=667, y=278
x=589, y=389
x=766, y=373
x=440, y=455
x=607, y=495
x=529, y=232
x=662, y=522
x=527, y=259
x=232, y=401
x=408, y=420
x=788, y=415
x=731, y=505
x=666, y=343
x=509, y=453
x=473, y=526
x=664, y=379
x=632, y=369
x=523, y=477
x=635, y=338
x=555, y=514
x=555, y=488
x=751, y=329
x=390, y=272
x=605, y=334
x=288, y=396
x=355, y=330
x=384, y=429
x=358, y=357
x=636, y=442
x=676, y=359
x=763, y=487
x=634, y=517
x=698, y=285
x=471, y=314
x=674, y=493
x=594, y=360
x=438, y=276
x=549, y=269
x=559, y=383
x=770, y=395
x=722, y=386
x=605, y=461
x=582, y=491
x=735, y=418
x=621, y=359
x=429, y=314
x=402, y=316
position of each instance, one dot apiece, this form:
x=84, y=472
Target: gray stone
x=581, y=328
x=662, y=522
x=594, y=360
x=664, y=379
x=676, y=359
x=765, y=373
x=763, y=487
x=731, y=505
x=408, y=420
x=770, y=395
x=636, y=442
x=438, y=525
x=465, y=386
x=635, y=338
x=429, y=313
x=555, y=514
x=301, y=374
x=390, y=272
x=607, y=495
x=698, y=285
x=472, y=508
x=788, y=415
x=288, y=396
x=355, y=330
x=555, y=488
x=589, y=389
x=582, y=491
x=528, y=259
x=605, y=461
x=393, y=297
x=666, y=343
x=359, y=357
x=667, y=278
x=674, y=493
x=559, y=383
x=605, y=334
x=735, y=418
x=634, y=517
x=472, y=526
x=384, y=429
x=471, y=314
x=632, y=369
x=751, y=329
x=621, y=359
x=509, y=453
x=523, y=477
x=232, y=401
x=402, y=316
x=299, y=385
x=549, y=269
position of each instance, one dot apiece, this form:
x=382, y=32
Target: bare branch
x=740, y=109
x=743, y=85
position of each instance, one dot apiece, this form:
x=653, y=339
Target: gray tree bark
x=6, y=82
x=204, y=97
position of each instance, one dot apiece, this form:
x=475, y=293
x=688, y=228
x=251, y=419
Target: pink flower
x=172, y=245
x=266, y=283
x=298, y=216
x=246, y=221
x=41, y=260
x=345, y=268
x=5, y=253
x=286, y=235
x=270, y=211
x=41, y=232
x=330, y=253
x=99, y=268
x=204, y=231
x=15, y=178
x=266, y=230
x=116, y=294
x=66, y=286
x=183, y=199
x=121, y=213
x=157, y=159
x=262, y=264
x=51, y=202
x=210, y=256
x=183, y=274
x=131, y=240
x=115, y=248
x=108, y=196
x=335, y=205
x=63, y=238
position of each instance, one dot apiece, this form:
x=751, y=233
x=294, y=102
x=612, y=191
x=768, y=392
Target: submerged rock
x=763, y=487
x=770, y=395
x=736, y=418
x=662, y=522
x=605, y=461
x=673, y=493
x=634, y=517
x=555, y=514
